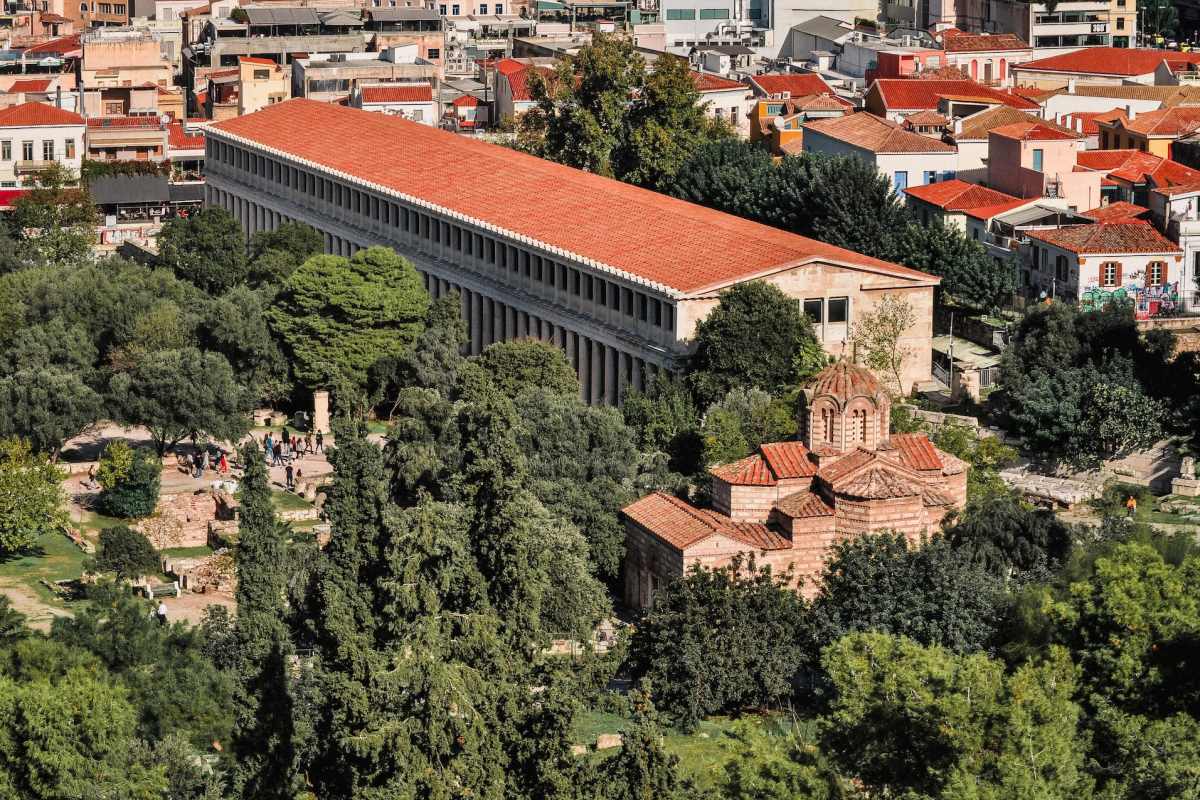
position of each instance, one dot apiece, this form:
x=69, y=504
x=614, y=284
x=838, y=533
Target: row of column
x=604, y=371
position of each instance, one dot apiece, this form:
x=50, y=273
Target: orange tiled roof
x=519, y=81
x=903, y=93
x=123, y=122
x=879, y=482
x=681, y=525
x=56, y=46
x=915, y=451
x=465, y=100
x=977, y=126
x=846, y=465
x=265, y=62
x=1120, y=211
x=29, y=85
x=1169, y=122
x=806, y=504
x=793, y=84
x=707, y=82
x=179, y=139
x=1134, y=166
x=1123, y=61
x=987, y=212
x=647, y=237
x=788, y=459
x=406, y=93
x=1118, y=238
x=926, y=117
x=752, y=470
x=1034, y=132
x=876, y=134
x=27, y=115
x=980, y=43
x=1090, y=119
x=957, y=195
x=844, y=381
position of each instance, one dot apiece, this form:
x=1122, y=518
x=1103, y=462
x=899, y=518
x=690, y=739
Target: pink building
x=1033, y=159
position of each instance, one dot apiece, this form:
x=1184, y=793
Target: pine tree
x=264, y=735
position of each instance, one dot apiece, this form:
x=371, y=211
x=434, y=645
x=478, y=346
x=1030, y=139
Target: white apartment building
x=36, y=135
x=615, y=275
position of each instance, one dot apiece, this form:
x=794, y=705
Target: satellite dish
x=777, y=123
x=165, y=119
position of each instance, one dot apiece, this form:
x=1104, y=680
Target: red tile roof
x=55, y=46
x=876, y=134
x=878, y=482
x=806, y=504
x=752, y=470
x=788, y=460
x=179, y=139
x=1167, y=122
x=1118, y=238
x=956, y=195
x=1134, y=166
x=1034, y=132
x=645, y=236
x=465, y=100
x=846, y=465
x=29, y=85
x=682, y=525
x=407, y=93
x=795, y=84
x=123, y=122
x=26, y=115
x=707, y=82
x=1119, y=211
x=900, y=94
x=985, y=213
x=519, y=81
x=1123, y=61
x=915, y=451
x=925, y=117
x=844, y=381
x=1104, y=160
x=266, y=62
x=1090, y=119
x=981, y=43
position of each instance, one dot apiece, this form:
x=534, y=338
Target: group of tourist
x=202, y=462
x=288, y=447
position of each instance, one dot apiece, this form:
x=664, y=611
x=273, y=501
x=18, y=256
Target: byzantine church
x=790, y=501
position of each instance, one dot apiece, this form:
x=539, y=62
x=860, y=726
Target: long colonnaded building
x=615, y=275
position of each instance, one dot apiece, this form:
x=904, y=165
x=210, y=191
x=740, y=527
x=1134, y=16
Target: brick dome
x=845, y=381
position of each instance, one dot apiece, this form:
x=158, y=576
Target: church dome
x=845, y=381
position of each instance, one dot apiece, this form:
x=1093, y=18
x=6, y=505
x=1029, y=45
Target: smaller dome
x=845, y=381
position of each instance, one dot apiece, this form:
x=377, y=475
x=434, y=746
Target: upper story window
x=1110, y=274
x=1156, y=273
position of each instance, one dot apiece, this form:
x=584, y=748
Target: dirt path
x=39, y=615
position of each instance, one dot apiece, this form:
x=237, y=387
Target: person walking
x=223, y=464
x=161, y=613
x=291, y=478
x=277, y=455
x=308, y=444
x=320, y=442
x=268, y=444
x=205, y=462
x=1131, y=506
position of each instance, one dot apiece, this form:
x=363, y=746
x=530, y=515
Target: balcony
x=28, y=167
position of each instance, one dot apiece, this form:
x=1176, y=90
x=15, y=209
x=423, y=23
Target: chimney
x=1071, y=86
x=1079, y=125
x=1131, y=113
x=958, y=125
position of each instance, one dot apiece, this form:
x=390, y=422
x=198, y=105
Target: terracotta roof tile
x=1090, y=120
x=519, y=82
x=844, y=381
x=1120, y=211
x=878, y=482
x=60, y=46
x=806, y=504
x=27, y=115
x=1123, y=61
x=465, y=100
x=846, y=464
x=404, y=93
x=649, y=237
x=1035, y=132
x=926, y=117
x=1172, y=122
x=1134, y=166
x=904, y=93
x=795, y=84
x=681, y=525
x=1118, y=238
x=707, y=82
x=987, y=212
x=29, y=85
x=935, y=497
x=752, y=470
x=979, y=43
x=788, y=460
x=957, y=195
x=977, y=126
x=124, y=122
x=915, y=451
x=876, y=134
x=179, y=139
x=265, y=62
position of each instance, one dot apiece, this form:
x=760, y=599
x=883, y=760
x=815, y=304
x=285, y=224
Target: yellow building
x=1150, y=131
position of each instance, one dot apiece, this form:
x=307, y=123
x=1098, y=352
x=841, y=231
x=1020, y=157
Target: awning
x=258, y=15
x=403, y=15
x=114, y=190
x=550, y=5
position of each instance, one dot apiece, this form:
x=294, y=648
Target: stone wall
x=649, y=564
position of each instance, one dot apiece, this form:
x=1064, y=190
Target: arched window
x=858, y=426
x=827, y=424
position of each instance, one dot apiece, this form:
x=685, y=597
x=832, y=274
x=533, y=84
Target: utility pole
x=951, y=355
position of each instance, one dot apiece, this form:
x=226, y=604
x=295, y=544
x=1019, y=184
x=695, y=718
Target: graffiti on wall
x=1148, y=301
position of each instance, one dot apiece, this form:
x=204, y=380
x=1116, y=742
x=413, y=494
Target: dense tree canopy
x=337, y=317
x=206, y=248
x=31, y=499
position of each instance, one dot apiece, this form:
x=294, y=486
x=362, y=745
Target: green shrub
x=126, y=552
x=130, y=480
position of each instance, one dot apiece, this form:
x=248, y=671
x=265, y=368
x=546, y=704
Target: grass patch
x=187, y=552
x=92, y=521
x=378, y=426
x=289, y=501
x=53, y=557
x=702, y=753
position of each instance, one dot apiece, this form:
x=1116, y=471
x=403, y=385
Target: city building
x=333, y=77
x=1176, y=210
x=950, y=203
x=1095, y=264
x=127, y=138
x=790, y=502
x=513, y=81
x=412, y=101
x=1112, y=66
x=1074, y=97
x=726, y=100
x=122, y=72
x=905, y=158
x=35, y=135
x=261, y=82
x=1151, y=131
x=1099, y=24
x=779, y=124
x=970, y=135
x=615, y=275
x=986, y=58
x=423, y=27
x=1131, y=175
x=896, y=98
x=1037, y=159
